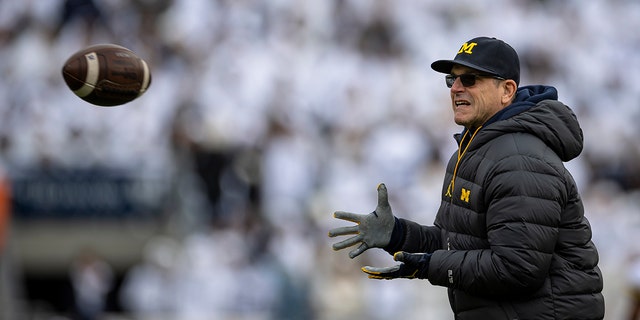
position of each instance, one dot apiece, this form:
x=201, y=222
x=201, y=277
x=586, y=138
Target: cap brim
x=445, y=66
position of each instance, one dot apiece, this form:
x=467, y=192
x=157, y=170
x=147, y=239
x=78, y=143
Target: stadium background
x=210, y=196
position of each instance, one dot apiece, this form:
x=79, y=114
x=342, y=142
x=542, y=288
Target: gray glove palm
x=372, y=230
x=414, y=265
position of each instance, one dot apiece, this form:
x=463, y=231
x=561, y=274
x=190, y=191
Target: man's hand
x=415, y=265
x=372, y=230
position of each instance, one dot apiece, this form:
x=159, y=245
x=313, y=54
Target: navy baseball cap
x=485, y=54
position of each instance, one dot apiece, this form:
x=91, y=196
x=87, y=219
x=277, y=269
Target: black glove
x=415, y=265
x=372, y=230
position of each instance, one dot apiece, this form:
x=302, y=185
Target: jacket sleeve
x=412, y=237
x=524, y=196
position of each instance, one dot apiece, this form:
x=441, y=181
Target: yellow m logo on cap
x=467, y=47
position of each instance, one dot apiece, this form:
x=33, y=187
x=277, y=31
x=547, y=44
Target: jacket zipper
x=461, y=153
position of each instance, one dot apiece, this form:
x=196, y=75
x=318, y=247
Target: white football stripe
x=145, y=78
x=93, y=71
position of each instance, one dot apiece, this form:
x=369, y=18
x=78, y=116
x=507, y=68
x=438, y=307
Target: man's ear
x=510, y=87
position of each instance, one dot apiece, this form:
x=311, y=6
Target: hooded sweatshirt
x=510, y=240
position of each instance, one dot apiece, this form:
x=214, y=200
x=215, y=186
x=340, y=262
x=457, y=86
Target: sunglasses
x=467, y=79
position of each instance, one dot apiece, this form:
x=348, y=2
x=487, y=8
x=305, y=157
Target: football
x=106, y=75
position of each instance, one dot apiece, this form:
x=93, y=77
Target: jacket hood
x=537, y=111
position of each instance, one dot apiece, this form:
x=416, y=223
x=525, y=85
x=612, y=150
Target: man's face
x=474, y=105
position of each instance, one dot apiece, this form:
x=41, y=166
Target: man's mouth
x=460, y=103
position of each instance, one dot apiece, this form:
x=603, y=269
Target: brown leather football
x=106, y=75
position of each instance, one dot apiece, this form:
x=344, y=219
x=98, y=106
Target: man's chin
x=460, y=122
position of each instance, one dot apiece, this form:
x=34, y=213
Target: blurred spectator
x=91, y=279
x=150, y=287
x=83, y=14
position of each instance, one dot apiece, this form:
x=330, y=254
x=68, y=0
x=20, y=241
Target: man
x=510, y=240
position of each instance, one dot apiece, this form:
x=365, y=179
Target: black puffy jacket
x=510, y=239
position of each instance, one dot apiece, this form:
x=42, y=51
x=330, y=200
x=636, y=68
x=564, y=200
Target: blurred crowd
x=264, y=117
